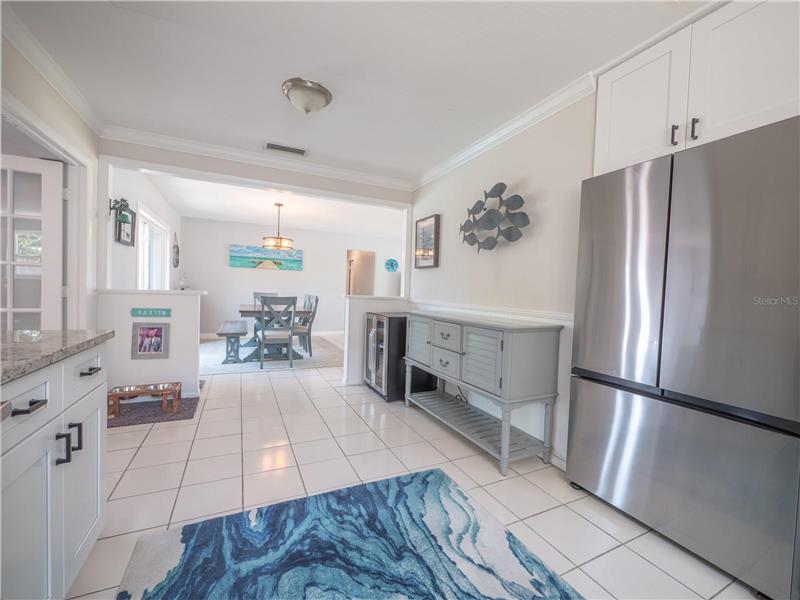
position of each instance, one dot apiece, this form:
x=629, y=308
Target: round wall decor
x=391, y=265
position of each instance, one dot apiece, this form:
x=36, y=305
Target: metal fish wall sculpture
x=493, y=219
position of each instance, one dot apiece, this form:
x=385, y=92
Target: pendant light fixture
x=276, y=242
x=308, y=96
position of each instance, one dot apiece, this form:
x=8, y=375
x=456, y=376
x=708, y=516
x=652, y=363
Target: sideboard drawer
x=447, y=335
x=41, y=394
x=447, y=362
x=82, y=373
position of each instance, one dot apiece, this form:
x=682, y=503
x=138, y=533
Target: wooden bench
x=232, y=331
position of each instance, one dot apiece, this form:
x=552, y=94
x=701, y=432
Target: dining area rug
x=413, y=536
x=212, y=353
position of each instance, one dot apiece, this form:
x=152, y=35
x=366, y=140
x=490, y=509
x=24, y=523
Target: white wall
x=183, y=363
x=204, y=259
x=534, y=277
x=141, y=195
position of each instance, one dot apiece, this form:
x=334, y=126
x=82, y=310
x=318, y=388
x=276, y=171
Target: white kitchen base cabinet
x=83, y=479
x=734, y=70
x=33, y=515
x=52, y=502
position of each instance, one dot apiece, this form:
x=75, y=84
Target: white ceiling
x=412, y=83
x=223, y=202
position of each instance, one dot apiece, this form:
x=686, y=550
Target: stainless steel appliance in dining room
x=384, y=370
x=685, y=395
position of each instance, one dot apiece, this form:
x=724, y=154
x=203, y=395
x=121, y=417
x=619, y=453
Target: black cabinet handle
x=79, y=427
x=67, y=448
x=445, y=336
x=33, y=406
x=672, y=139
x=693, y=133
x=91, y=371
x=444, y=363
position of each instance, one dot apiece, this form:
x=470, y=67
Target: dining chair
x=256, y=296
x=277, y=329
x=303, y=328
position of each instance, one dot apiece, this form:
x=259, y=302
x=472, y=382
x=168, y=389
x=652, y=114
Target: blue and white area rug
x=414, y=536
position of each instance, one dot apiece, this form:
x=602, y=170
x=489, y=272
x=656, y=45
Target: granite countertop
x=23, y=352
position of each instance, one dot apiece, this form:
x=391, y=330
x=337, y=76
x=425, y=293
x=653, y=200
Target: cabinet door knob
x=79, y=427
x=67, y=437
x=672, y=139
x=693, y=132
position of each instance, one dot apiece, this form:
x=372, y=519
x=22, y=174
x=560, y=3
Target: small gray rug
x=212, y=353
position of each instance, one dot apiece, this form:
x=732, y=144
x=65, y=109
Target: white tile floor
x=259, y=438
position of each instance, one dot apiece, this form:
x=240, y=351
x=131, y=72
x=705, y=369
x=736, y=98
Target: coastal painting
x=256, y=257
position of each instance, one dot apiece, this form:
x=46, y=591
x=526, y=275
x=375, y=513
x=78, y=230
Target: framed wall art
x=150, y=340
x=426, y=243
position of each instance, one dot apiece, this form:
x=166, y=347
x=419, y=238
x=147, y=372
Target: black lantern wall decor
x=124, y=221
x=504, y=222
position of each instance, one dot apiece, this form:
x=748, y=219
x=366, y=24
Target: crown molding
x=18, y=34
x=569, y=94
x=165, y=142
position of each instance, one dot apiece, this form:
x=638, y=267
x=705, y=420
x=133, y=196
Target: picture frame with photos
x=150, y=341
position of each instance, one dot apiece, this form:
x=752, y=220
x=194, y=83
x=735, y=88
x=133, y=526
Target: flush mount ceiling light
x=276, y=242
x=305, y=95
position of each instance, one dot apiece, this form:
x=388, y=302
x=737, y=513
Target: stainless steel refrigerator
x=685, y=395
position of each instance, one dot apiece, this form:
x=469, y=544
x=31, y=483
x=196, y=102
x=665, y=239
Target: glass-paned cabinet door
x=31, y=251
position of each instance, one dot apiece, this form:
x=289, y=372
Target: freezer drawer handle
x=33, y=406
x=79, y=427
x=445, y=336
x=672, y=139
x=693, y=133
x=91, y=371
x=444, y=363
x=67, y=437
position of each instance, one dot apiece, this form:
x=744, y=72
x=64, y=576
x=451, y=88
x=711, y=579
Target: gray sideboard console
x=510, y=362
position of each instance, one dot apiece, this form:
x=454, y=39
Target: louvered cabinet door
x=418, y=340
x=482, y=363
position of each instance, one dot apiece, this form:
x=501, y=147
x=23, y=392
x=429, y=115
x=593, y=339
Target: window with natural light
x=153, y=271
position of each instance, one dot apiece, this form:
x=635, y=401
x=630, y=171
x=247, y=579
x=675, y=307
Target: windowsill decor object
x=502, y=223
x=426, y=243
x=391, y=265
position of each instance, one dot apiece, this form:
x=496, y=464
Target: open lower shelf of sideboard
x=479, y=427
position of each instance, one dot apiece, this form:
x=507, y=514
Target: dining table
x=253, y=311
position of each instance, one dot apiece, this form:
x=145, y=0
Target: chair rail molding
x=482, y=310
